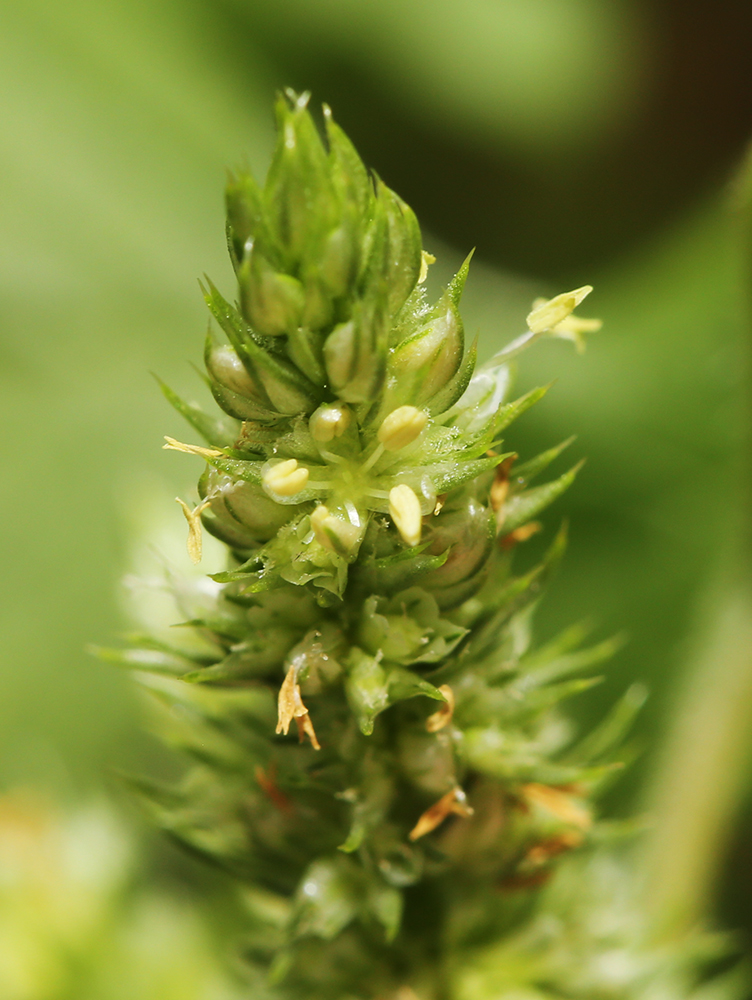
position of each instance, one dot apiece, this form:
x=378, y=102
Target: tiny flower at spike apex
x=378, y=751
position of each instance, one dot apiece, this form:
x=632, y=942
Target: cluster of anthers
x=352, y=466
x=355, y=488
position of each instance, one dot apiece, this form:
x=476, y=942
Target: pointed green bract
x=378, y=751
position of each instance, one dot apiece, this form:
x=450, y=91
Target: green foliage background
x=530, y=122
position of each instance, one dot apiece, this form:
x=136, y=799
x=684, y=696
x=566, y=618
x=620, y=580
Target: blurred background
x=571, y=142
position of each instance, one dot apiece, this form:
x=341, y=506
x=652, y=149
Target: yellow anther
x=193, y=517
x=329, y=422
x=334, y=533
x=404, y=510
x=192, y=449
x=548, y=314
x=426, y=259
x=286, y=478
x=402, y=427
x=455, y=801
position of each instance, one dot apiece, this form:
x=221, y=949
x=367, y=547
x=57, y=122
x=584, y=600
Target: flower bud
x=467, y=532
x=402, y=427
x=355, y=355
x=334, y=533
x=252, y=508
x=425, y=362
x=349, y=174
x=244, y=212
x=285, y=478
x=404, y=510
x=273, y=303
x=299, y=195
x=339, y=259
x=227, y=368
x=318, y=311
x=552, y=312
x=329, y=422
x=404, y=249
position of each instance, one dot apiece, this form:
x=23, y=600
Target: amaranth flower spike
x=370, y=511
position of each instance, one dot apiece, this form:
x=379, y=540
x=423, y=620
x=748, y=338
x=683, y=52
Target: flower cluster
x=371, y=511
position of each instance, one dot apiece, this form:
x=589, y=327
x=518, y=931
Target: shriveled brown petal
x=521, y=534
x=542, y=852
x=305, y=728
x=455, y=801
x=286, y=702
x=268, y=784
x=443, y=715
x=290, y=706
x=500, y=489
x=560, y=802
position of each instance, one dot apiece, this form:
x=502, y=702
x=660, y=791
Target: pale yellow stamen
x=443, y=716
x=455, y=801
x=329, y=422
x=426, y=259
x=402, y=427
x=404, y=510
x=286, y=478
x=192, y=449
x=290, y=706
x=548, y=314
x=334, y=533
x=193, y=517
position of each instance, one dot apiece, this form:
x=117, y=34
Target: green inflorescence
x=371, y=511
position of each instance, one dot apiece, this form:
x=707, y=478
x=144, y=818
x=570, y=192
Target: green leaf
x=610, y=732
x=457, y=284
x=497, y=604
x=213, y=430
x=523, y=507
x=541, y=699
x=523, y=474
x=403, y=684
x=152, y=661
x=449, y=475
x=247, y=470
x=571, y=663
x=566, y=640
x=511, y=411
